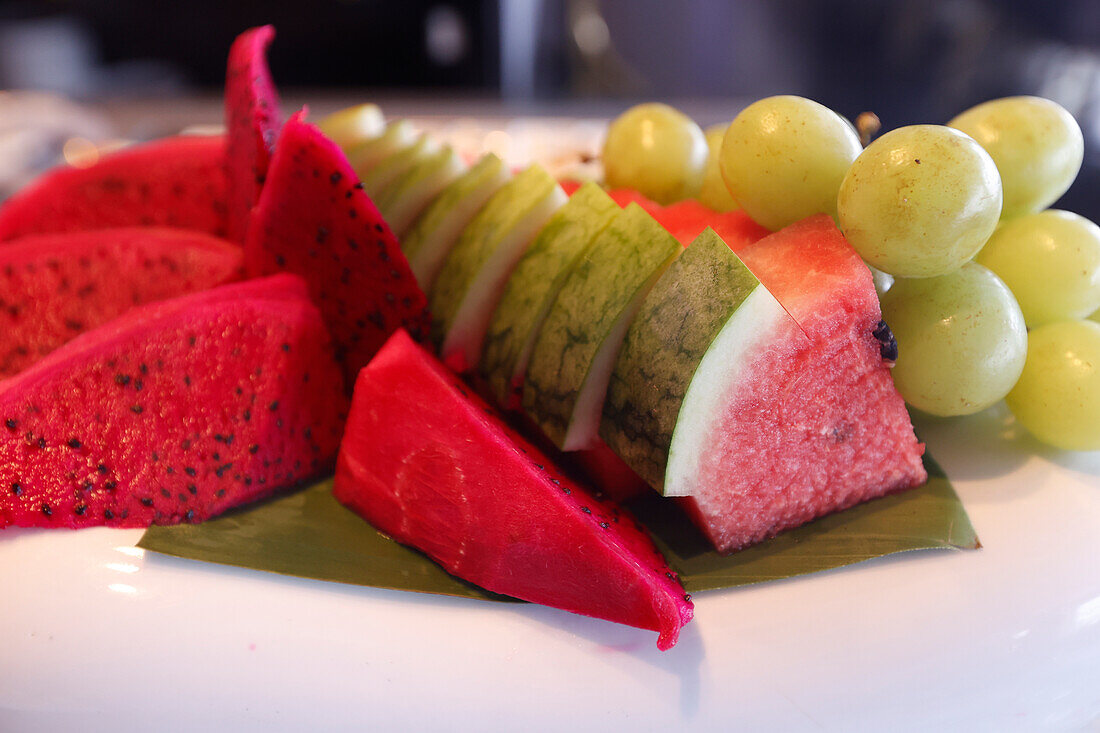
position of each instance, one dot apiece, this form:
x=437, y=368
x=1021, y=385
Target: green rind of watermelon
x=409, y=194
x=680, y=322
x=533, y=286
x=469, y=284
x=576, y=347
x=431, y=465
x=437, y=229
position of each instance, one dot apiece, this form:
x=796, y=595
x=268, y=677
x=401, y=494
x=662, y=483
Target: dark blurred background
x=909, y=61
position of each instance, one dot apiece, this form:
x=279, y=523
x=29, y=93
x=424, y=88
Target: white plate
x=99, y=636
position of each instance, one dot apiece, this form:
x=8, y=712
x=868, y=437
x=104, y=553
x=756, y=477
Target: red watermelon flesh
x=427, y=462
x=314, y=219
x=174, y=182
x=815, y=424
x=252, y=118
x=174, y=412
x=686, y=220
x=55, y=286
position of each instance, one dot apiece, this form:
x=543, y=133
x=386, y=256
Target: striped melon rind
x=430, y=239
x=575, y=351
x=685, y=352
x=472, y=278
x=392, y=167
x=398, y=135
x=410, y=192
x=534, y=284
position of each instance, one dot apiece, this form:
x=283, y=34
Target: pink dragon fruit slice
x=314, y=219
x=54, y=287
x=173, y=182
x=252, y=118
x=173, y=412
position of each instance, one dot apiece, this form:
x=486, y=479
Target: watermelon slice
x=55, y=286
x=173, y=412
x=252, y=118
x=174, y=182
x=430, y=464
x=313, y=219
x=686, y=220
x=812, y=423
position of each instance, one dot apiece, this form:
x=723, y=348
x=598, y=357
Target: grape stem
x=867, y=125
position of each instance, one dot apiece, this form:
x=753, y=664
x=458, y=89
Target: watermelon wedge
x=314, y=220
x=812, y=422
x=173, y=182
x=252, y=118
x=430, y=464
x=55, y=286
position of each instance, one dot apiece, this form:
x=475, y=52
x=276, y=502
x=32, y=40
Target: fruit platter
x=813, y=408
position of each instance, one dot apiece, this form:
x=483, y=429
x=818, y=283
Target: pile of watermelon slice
x=185, y=320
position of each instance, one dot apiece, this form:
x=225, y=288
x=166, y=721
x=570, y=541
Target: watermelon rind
x=410, y=192
x=534, y=284
x=429, y=240
x=469, y=285
x=687, y=347
x=391, y=168
x=397, y=136
x=576, y=348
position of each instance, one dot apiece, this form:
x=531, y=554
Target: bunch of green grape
x=988, y=292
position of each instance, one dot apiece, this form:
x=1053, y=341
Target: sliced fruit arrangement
x=313, y=219
x=748, y=374
x=174, y=182
x=174, y=412
x=54, y=287
x=430, y=464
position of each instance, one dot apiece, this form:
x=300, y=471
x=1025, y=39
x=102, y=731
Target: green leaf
x=309, y=534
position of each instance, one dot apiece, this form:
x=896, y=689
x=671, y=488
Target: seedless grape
x=1058, y=395
x=920, y=201
x=961, y=340
x=656, y=150
x=1050, y=261
x=783, y=159
x=1036, y=144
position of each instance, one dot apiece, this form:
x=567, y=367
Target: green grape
x=1095, y=316
x=714, y=193
x=350, y=126
x=1050, y=261
x=961, y=340
x=657, y=151
x=783, y=159
x=1058, y=395
x=1036, y=144
x=920, y=201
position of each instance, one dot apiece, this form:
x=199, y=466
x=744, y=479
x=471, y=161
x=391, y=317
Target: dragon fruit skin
x=428, y=463
x=173, y=412
x=173, y=182
x=252, y=119
x=55, y=286
x=313, y=219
